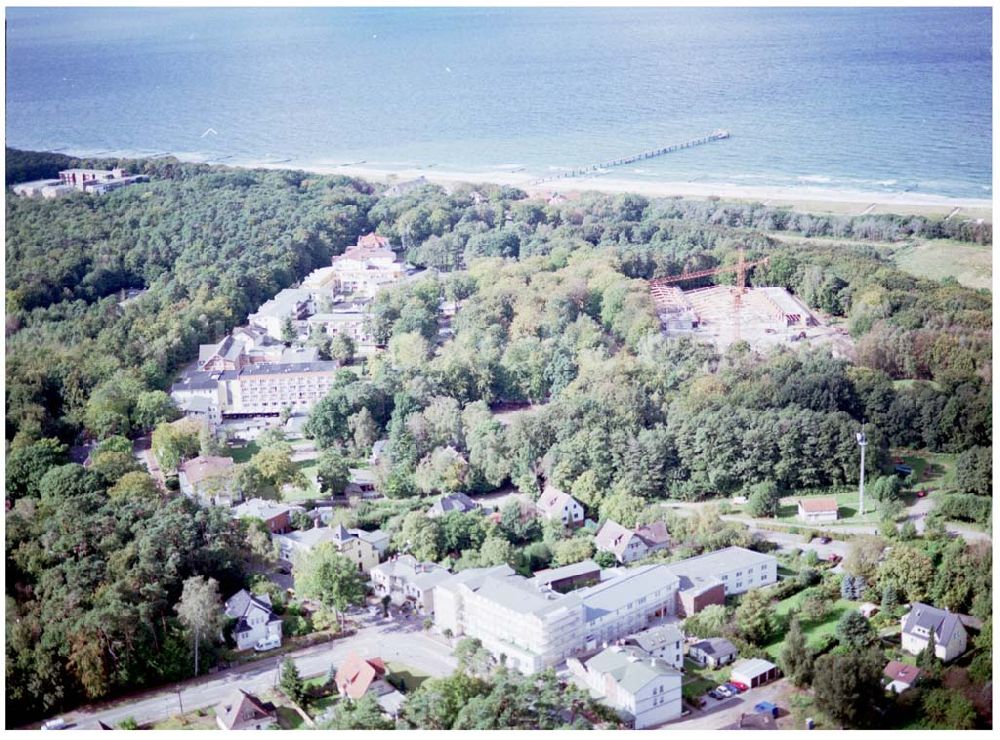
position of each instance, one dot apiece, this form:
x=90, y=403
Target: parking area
x=719, y=713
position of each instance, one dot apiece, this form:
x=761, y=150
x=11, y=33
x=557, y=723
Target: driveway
x=390, y=641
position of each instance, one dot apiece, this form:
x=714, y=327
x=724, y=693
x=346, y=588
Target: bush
x=965, y=507
x=128, y=723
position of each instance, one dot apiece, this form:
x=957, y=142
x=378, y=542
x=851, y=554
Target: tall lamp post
x=862, y=443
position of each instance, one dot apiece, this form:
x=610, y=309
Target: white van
x=267, y=643
x=55, y=724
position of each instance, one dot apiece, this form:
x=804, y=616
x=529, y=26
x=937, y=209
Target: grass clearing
x=817, y=632
x=244, y=453
x=289, y=719
x=970, y=264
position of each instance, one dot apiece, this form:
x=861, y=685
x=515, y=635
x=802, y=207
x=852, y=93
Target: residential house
x=209, y=479
x=629, y=545
x=361, y=484
x=451, y=502
x=818, y=510
x=559, y=506
x=646, y=691
x=356, y=676
x=358, y=550
x=244, y=711
x=255, y=620
x=713, y=652
x=754, y=672
x=569, y=577
x=900, y=677
x=405, y=579
x=277, y=516
x=922, y=621
x=665, y=641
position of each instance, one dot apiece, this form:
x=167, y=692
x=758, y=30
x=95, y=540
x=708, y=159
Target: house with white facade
x=713, y=652
x=244, y=711
x=559, y=506
x=664, y=641
x=629, y=545
x=406, y=579
x=817, y=510
x=254, y=619
x=645, y=690
x=922, y=621
x=359, y=550
x=899, y=677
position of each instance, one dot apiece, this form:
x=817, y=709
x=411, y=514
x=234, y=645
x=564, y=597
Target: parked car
x=734, y=688
x=834, y=558
x=741, y=686
x=715, y=694
x=766, y=707
x=726, y=692
x=57, y=723
x=825, y=540
x=267, y=643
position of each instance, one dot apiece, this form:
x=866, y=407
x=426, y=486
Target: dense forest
x=555, y=313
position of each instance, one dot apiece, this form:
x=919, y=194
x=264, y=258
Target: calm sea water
x=881, y=99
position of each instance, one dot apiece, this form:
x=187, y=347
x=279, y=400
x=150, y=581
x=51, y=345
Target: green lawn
x=816, y=632
x=309, y=469
x=243, y=454
x=847, y=501
x=970, y=264
x=411, y=676
x=931, y=469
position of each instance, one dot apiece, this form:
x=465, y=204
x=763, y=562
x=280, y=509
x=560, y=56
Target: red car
x=740, y=686
x=921, y=494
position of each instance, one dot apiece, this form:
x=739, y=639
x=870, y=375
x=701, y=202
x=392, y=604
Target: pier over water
x=717, y=135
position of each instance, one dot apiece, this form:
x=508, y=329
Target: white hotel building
x=536, y=627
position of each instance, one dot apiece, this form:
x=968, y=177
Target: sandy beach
x=801, y=198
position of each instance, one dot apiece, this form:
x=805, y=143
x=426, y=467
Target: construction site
x=723, y=314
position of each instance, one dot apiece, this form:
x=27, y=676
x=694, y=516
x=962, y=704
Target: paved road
x=390, y=641
x=916, y=512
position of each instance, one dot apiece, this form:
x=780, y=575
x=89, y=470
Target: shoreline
x=803, y=198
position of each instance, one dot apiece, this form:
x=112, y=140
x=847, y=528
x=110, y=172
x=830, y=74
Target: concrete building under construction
x=762, y=316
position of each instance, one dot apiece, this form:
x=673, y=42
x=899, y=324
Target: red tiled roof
x=816, y=505
x=896, y=671
x=356, y=675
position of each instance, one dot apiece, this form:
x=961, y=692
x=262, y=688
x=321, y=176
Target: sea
x=874, y=99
